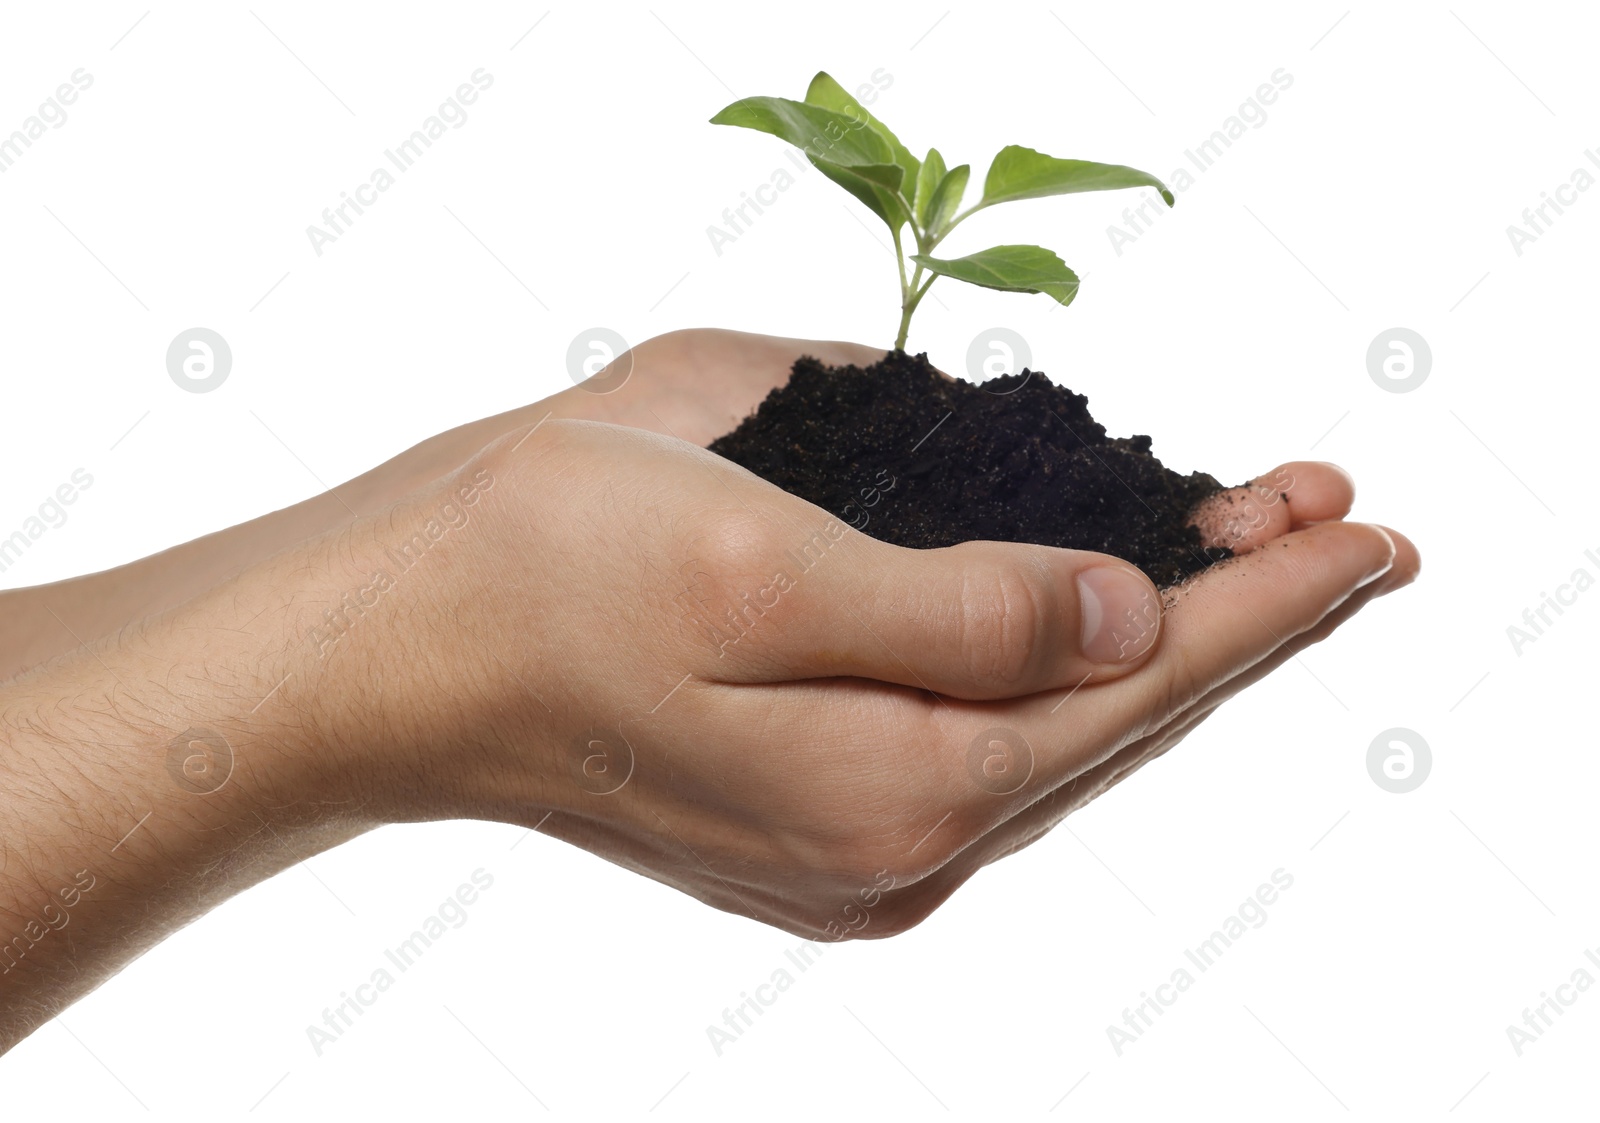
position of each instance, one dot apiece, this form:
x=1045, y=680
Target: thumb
x=979, y=620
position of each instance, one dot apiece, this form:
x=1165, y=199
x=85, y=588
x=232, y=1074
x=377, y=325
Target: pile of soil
x=913, y=458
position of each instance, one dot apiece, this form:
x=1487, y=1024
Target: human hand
x=695, y=384
x=646, y=651
x=630, y=643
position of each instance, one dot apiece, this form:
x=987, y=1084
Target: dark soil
x=908, y=456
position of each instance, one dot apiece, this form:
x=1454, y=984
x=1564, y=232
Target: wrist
x=483, y=707
x=413, y=698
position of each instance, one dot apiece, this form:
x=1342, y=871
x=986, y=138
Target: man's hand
x=707, y=680
x=553, y=619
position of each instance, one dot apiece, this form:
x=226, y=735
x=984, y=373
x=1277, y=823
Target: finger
x=954, y=819
x=1081, y=789
x=1046, y=815
x=984, y=846
x=979, y=620
x=1088, y=787
x=985, y=620
x=1316, y=491
x=1291, y=496
x=1221, y=623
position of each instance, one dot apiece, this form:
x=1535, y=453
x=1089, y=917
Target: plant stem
x=905, y=290
x=909, y=305
x=910, y=294
x=900, y=262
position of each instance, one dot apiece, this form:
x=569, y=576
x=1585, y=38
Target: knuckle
x=1003, y=617
x=730, y=543
x=727, y=587
x=527, y=454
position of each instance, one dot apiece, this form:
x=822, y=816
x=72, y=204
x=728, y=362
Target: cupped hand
x=699, y=383
x=647, y=651
x=695, y=384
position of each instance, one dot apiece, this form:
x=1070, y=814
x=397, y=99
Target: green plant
x=859, y=153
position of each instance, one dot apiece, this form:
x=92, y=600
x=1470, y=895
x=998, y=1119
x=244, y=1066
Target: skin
x=546, y=662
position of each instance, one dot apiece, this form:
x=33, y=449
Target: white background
x=1377, y=194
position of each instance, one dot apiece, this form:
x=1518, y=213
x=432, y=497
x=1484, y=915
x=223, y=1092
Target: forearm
x=325, y=690
x=151, y=775
x=41, y=622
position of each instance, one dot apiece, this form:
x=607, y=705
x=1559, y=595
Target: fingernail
x=1121, y=616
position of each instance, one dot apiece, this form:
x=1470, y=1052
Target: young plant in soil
x=914, y=458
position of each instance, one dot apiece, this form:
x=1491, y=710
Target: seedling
x=858, y=152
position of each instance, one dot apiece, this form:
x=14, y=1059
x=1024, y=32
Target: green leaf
x=1010, y=269
x=828, y=94
x=823, y=133
x=928, y=179
x=876, y=185
x=947, y=199
x=1022, y=173
x=845, y=148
